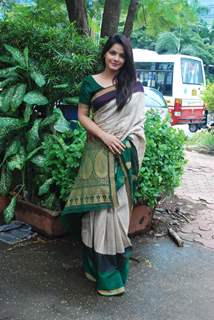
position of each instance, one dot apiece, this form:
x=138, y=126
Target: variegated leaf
x=5, y=181
x=26, y=55
x=45, y=187
x=17, y=161
x=62, y=125
x=33, y=136
x=50, y=201
x=49, y=120
x=9, y=211
x=28, y=112
x=38, y=78
x=16, y=54
x=8, y=98
x=9, y=125
x=12, y=150
x=7, y=81
x=18, y=96
x=8, y=72
x=39, y=160
x=35, y=98
x=6, y=59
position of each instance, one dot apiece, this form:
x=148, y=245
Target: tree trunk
x=130, y=17
x=77, y=13
x=111, y=17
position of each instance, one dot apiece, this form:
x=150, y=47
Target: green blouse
x=88, y=88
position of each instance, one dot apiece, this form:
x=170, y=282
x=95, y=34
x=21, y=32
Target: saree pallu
x=104, y=189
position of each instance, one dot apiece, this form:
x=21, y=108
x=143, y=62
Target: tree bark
x=111, y=17
x=130, y=17
x=77, y=13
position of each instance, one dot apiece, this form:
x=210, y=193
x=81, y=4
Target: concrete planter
x=141, y=219
x=4, y=201
x=44, y=221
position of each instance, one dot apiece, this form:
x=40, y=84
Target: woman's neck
x=109, y=74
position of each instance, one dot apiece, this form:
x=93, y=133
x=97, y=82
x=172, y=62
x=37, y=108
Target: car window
x=153, y=99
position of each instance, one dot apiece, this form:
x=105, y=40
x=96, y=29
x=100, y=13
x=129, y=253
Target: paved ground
x=43, y=280
x=198, y=188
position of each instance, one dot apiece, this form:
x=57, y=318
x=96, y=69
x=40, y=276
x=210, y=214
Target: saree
x=104, y=189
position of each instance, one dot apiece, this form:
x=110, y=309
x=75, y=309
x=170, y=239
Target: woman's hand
x=113, y=143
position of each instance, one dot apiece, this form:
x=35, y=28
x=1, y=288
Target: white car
x=155, y=100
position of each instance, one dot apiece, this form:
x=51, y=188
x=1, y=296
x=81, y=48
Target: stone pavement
x=198, y=188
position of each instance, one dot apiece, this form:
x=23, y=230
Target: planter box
x=44, y=221
x=141, y=219
x=4, y=201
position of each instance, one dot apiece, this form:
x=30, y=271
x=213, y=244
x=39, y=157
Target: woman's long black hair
x=126, y=78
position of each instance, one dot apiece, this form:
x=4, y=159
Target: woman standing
x=105, y=183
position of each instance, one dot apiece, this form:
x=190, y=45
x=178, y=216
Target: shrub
x=60, y=53
x=208, y=96
x=163, y=162
x=160, y=172
x=61, y=159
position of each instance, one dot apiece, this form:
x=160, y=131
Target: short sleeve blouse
x=88, y=88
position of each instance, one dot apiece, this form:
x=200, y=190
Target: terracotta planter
x=4, y=201
x=141, y=219
x=44, y=221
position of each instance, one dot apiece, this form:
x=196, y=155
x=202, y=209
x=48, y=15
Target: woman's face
x=115, y=57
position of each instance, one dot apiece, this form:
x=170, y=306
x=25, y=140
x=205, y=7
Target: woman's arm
x=113, y=143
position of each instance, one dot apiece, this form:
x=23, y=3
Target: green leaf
x=11, y=150
x=6, y=59
x=62, y=125
x=17, y=161
x=8, y=72
x=35, y=98
x=38, y=78
x=49, y=120
x=32, y=153
x=45, y=187
x=18, y=96
x=26, y=56
x=33, y=136
x=9, y=211
x=50, y=201
x=5, y=181
x=8, y=98
x=9, y=125
x=7, y=81
x=16, y=54
x=39, y=160
x=61, y=86
x=28, y=112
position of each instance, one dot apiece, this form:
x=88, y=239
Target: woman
x=105, y=183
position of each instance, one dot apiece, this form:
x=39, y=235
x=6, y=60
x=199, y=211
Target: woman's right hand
x=113, y=143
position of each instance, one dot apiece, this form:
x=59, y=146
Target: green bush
x=160, y=172
x=208, y=96
x=163, y=163
x=60, y=53
x=61, y=159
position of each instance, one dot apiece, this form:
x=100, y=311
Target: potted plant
x=23, y=123
x=161, y=170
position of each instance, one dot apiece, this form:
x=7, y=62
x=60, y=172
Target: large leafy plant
x=22, y=105
x=57, y=166
x=163, y=163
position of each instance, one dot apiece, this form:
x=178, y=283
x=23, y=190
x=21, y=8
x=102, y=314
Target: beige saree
x=104, y=191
